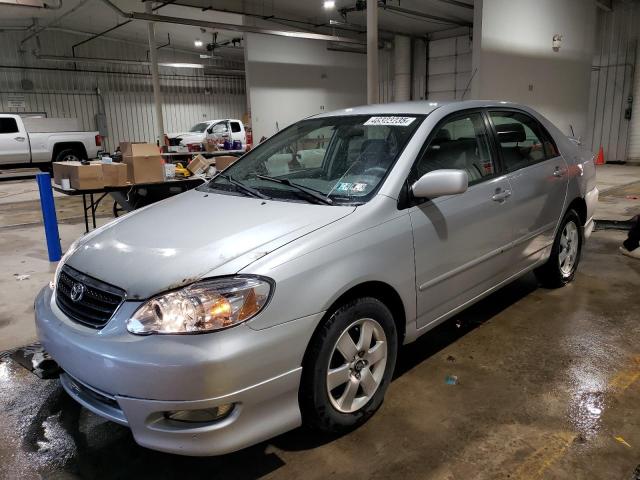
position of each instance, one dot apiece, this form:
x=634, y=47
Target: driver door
x=459, y=239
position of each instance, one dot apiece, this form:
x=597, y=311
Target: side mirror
x=439, y=183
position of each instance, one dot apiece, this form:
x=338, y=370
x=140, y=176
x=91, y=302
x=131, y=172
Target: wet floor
x=548, y=387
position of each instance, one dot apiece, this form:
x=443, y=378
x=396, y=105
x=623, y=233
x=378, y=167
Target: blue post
x=49, y=216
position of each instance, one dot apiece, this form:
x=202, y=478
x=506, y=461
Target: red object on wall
x=600, y=157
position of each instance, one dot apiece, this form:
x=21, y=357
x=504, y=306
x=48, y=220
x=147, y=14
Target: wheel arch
x=379, y=290
x=60, y=146
x=580, y=206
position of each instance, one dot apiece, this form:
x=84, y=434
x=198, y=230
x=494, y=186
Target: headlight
x=72, y=248
x=202, y=307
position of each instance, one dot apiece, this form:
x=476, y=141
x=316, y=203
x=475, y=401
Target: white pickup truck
x=209, y=131
x=37, y=142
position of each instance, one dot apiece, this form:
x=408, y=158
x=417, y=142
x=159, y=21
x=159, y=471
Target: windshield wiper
x=241, y=186
x=308, y=191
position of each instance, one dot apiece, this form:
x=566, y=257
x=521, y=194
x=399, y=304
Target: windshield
x=199, y=127
x=342, y=158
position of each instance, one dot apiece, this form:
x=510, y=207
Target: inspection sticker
x=399, y=121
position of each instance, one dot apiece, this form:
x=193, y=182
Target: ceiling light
x=181, y=65
x=329, y=4
x=198, y=43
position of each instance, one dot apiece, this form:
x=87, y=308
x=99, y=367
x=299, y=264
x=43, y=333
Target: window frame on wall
x=542, y=133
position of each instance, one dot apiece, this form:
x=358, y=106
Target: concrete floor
x=548, y=382
x=548, y=388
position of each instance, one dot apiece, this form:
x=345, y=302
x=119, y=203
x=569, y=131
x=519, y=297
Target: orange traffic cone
x=600, y=157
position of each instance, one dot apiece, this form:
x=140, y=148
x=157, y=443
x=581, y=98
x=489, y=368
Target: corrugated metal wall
x=611, y=80
x=122, y=92
x=449, y=70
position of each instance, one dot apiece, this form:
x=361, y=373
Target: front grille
x=97, y=303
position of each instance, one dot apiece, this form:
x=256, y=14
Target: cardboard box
x=60, y=171
x=115, y=174
x=199, y=164
x=126, y=146
x=224, y=161
x=81, y=177
x=84, y=177
x=144, y=162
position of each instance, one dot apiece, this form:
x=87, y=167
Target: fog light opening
x=205, y=415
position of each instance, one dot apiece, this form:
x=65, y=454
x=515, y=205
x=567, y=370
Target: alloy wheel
x=569, y=243
x=357, y=365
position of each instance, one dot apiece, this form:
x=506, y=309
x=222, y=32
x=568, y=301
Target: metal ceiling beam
x=606, y=5
x=415, y=13
x=108, y=30
x=242, y=28
x=53, y=22
x=117, y=61
x=228, y=26
x=458, y=3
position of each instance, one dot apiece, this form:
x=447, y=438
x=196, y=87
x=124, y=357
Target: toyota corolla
x=279, y=292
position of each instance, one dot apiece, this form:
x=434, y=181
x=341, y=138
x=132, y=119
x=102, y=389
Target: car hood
x=182, y=239
x=188, y=137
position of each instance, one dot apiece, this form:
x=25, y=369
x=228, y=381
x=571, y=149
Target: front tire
x=565, y=253
x=348, y=366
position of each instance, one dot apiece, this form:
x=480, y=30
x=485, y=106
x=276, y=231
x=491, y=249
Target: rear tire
x=565, y=253
x=348, y=366
x=67, y=155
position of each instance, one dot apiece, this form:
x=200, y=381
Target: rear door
x=14, y=142
x=539, y=177
x=459, y=240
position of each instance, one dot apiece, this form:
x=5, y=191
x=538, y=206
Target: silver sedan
x=280, y=291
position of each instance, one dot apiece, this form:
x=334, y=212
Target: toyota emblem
x=77, y=292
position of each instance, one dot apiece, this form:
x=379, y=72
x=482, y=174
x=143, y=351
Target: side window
x=8, y=125
x=522, y=140
x=219, y=129
x=461, y=143
x=235, y=127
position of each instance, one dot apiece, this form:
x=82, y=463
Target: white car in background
x=36, y=142
x=216, y=131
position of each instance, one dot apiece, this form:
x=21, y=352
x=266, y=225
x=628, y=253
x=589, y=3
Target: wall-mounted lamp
x=329, y=4
x=557, y=42
x=197, y=42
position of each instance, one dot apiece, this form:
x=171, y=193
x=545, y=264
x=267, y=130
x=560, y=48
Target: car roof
x=418, y=107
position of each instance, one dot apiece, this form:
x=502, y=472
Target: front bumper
x=132, y=379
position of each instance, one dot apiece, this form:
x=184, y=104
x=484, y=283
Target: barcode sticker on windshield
x=397, y=121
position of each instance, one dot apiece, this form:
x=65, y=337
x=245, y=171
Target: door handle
x=559, y=172
x=501, y=196
x=20, y=139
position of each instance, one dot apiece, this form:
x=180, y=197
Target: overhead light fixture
x=329, y=4
x=197, y=42
x=181, y=65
